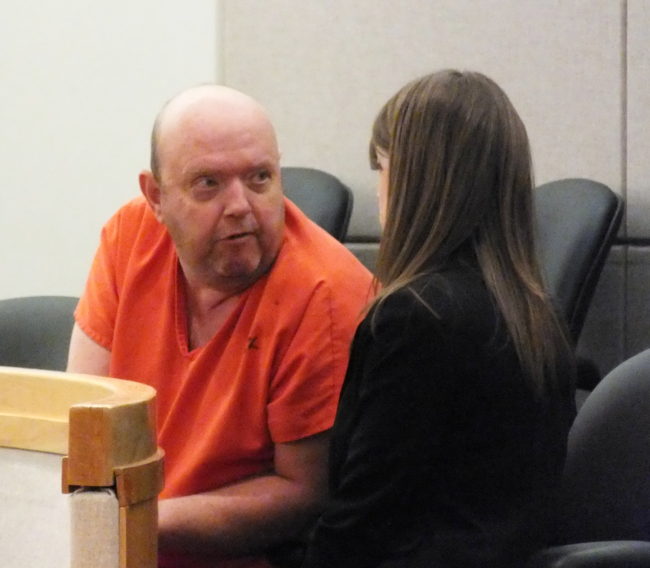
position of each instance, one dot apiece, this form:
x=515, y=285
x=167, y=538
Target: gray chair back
x=35, y=331
x=607, y=473
x=604, y=518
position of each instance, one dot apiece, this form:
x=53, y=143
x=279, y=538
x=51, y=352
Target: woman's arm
x=391, y=415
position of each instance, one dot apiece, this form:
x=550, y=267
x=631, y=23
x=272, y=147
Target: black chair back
x=577, y=221
x=320, y=196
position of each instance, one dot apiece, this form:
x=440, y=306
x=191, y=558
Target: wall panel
x=638, y=300
x=323, y=68
x=638, y=119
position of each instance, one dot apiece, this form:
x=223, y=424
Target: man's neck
x=206, y=310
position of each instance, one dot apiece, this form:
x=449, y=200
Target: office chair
x=321, y=196
x=577, y=221
x=35, y=331
x=605, y=505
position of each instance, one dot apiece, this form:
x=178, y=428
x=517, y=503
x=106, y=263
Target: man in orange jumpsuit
x=217, y=291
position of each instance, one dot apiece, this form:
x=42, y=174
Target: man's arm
x=249, y=516
x=87, y=356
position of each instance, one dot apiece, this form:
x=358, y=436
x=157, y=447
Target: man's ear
x=151, y=191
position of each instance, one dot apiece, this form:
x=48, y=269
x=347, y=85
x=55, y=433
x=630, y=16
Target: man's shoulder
x=132, y=218
x=134, y=211
x=133, y=233
x=314, y=268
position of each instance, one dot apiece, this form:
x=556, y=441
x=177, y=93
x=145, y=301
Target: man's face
x=221, y=198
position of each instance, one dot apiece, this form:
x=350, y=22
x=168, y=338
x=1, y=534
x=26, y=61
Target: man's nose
x=236, y=198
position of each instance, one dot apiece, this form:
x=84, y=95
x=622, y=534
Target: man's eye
x=208, y=181
x=261, y=177
x=204, y=187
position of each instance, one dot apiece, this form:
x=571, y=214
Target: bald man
x=216, y=290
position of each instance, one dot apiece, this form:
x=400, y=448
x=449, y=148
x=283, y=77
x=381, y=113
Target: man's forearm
x=87, y=356
x=241, y=519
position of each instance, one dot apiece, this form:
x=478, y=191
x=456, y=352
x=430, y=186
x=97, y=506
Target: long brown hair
x=460, y=178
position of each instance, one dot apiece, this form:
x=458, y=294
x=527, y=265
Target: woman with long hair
x=451, y=433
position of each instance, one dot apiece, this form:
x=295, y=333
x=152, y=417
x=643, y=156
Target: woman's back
x=442, y=454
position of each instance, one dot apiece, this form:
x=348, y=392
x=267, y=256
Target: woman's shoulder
x=446, y=294
x=453, y=300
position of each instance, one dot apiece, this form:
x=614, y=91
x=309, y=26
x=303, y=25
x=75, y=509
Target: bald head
x=210, y=104
x=216, y=186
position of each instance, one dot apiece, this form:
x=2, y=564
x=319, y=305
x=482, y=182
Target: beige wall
x=81, y=84
x=577, y=70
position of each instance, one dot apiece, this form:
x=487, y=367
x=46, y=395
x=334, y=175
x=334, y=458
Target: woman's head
x=458, y=171
x=458, y=185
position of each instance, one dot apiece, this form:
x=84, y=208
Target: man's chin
x=239, y=275
x=238, y=270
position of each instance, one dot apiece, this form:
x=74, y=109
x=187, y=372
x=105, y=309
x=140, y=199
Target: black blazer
x=441, y=453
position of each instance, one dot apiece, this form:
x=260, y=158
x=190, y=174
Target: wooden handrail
x=107, y=429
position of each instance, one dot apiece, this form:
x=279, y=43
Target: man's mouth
x=236, y=236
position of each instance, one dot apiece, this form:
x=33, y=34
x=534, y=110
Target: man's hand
x=249, y=516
